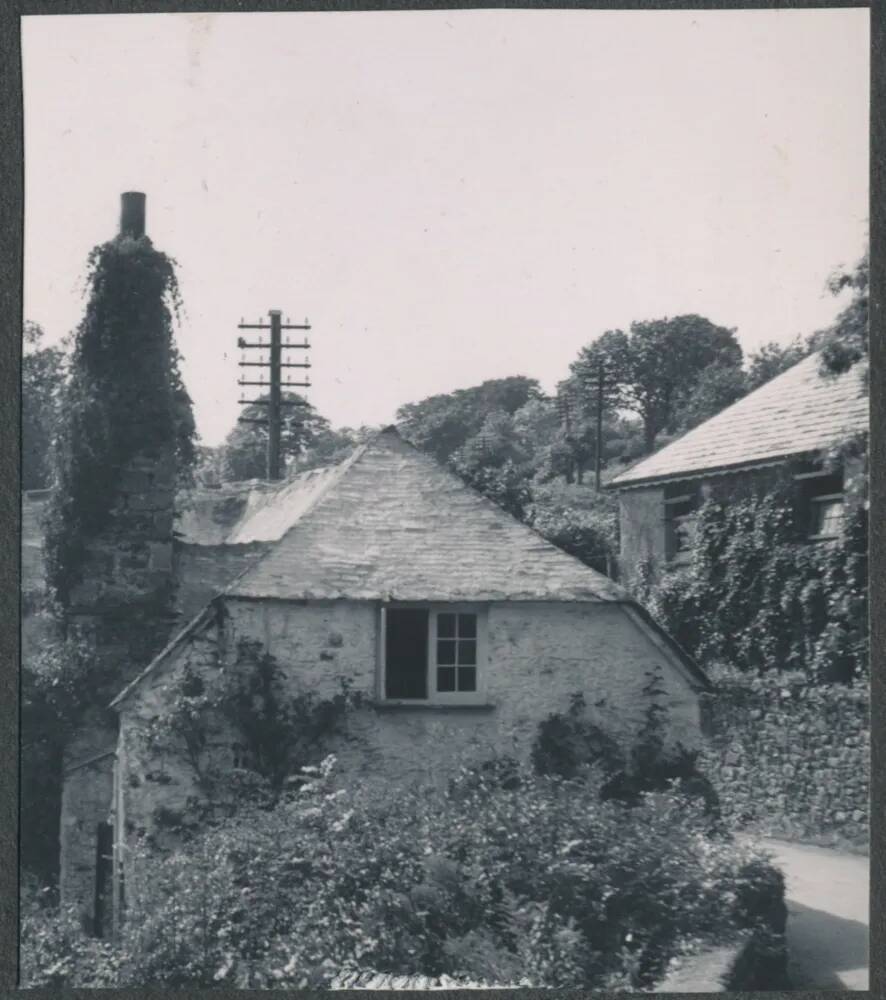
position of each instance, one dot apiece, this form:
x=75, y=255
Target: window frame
x=677, y=539
x=817, y=485
x=825, y=498
x=435, y=697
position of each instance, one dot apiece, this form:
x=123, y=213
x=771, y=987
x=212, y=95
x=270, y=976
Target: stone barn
x=779, y=431
x=461, y=628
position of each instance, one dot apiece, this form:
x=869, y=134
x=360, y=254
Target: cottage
x=780, y=429
x=461, y=627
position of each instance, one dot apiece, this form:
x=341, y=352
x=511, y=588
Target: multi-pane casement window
x=432, y=653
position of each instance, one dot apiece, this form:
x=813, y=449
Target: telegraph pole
x=275, y=384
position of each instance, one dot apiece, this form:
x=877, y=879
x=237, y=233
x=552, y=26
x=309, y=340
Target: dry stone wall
x=790, y=759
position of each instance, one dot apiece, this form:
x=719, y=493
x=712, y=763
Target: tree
x=578, y=520
x=245, y=448
x=495, y=462
x=845, y=342
x=718, y=386
x=333, y=446
x=652, y=369
x=43, y=375
x=441, y=424
x=772, y=359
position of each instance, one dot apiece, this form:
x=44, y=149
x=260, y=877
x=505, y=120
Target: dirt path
x=828, y=907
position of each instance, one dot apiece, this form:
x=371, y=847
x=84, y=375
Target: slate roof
x=391, y=523
x=247, y=512
x=796, y=413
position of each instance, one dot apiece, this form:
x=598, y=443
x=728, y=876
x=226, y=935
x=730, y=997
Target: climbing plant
x=758, y=596
x=124, y=396
x=280, y=731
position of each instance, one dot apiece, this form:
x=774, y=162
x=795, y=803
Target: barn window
x=432, y=653
x=820, y=501
x=680, y=506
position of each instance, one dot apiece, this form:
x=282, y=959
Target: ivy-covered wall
x=790, y=759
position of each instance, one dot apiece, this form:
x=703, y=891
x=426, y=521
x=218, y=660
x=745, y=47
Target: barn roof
x=798, y=412
x=391, y=523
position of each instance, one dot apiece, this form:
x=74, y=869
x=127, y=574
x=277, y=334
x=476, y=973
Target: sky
x=449, y=196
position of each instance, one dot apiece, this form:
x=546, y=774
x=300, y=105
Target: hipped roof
x=798, y=412
x=391, y=523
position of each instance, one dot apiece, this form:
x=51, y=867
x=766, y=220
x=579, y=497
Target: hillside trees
x=43, y=374
x=441, y=424
x=653, y=368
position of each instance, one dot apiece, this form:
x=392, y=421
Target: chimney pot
x=132, y=214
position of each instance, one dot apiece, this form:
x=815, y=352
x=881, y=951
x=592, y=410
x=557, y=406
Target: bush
x=568, y=743
x=537, y=883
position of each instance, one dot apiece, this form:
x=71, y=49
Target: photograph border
x=11, y=232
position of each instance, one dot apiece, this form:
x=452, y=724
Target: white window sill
x=429, y=705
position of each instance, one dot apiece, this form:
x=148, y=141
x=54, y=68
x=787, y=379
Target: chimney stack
x=132, y=214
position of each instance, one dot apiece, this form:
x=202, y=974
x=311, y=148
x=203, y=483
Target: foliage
x=758, y=595
x=846, y=342
x=578, y=520
x=569, y=742
x=441, y=424
x=654, y=367
x=718, y=386
x=303, y=429
x=55, y=952
x=53, y=693
x=43, y=375
x=280, y=731
x=772, y=359
x=116, y=408
x=539, y=884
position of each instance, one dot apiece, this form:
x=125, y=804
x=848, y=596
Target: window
x=820, y=498
x=432, y=653
x=679, y=506
x=826, y=519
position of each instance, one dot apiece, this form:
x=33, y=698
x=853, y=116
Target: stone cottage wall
x=539, y=655
x=789, y=759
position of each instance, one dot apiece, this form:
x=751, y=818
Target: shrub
x=538, y=883
x=568, y=743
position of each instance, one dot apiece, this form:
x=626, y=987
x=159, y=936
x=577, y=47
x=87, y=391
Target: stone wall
x=641, y=528
x=539, y=655
x=123, y=606
x=202, y=571
x=789, y=759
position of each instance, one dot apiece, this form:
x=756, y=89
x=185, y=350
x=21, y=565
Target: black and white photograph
x=444, y=500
